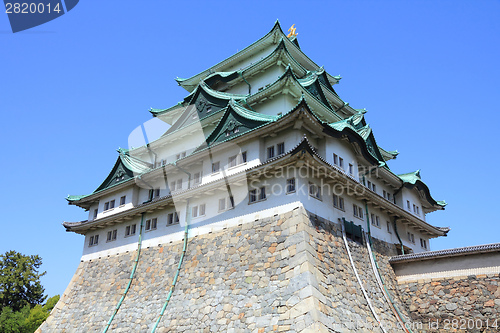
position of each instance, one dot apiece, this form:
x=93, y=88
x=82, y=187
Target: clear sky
x=72, y=90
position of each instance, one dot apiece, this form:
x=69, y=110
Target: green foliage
x=21, y=294
x=26, y=320
x=20, y=280
x=13, y=321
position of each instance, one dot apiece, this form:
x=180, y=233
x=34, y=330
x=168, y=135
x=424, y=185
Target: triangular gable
x=315, y=89
x=236, y=121
x=202, y=103
x=125, y=168
x=118, y=174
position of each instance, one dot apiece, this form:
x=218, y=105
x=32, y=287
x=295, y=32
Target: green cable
x=174, y=282
x=136, y=262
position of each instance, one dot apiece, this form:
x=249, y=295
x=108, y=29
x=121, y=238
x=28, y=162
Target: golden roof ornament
x=292, y=31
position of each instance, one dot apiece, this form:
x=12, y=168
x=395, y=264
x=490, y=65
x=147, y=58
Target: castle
x=267, y=205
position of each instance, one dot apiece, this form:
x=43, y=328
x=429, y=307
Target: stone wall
x=458, y=304
x=289, y=273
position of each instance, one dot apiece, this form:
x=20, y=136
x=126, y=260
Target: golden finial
x=292, y=31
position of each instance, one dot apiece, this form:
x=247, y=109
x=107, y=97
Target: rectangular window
x=148, y=225
x=112, y=204
x=132, y=229
x=408, y=204
x=197, y=178
x=388, y=227
x=180, y=155
x=127, y=231
x=230, y=202
x=414, y=208
x=252, y=196
x=270, y=152
x=122, y=200
x=374, y=188
x=106, y=205
x=95, y=213
x=222, y=204
x=369, y=184
x=108, y=237
x=154, y=223
x=96, y=239
x=173, y=218
x=338, y=202
x=215, y=167
x=351, y=169
x=358, y=211
x=335, y=159
x=411, y=237
x=91, y=240
x=384, y=194
x=423, y=243
x=202, y=209
x=243, y=157
x=194, y=211
x=281, y=148
x=314, y=191
x=418, y=210
x=377, y=221
x=262, y=193
x=232, y=161
x=341, y=162
x=290, y=185
x=373, y=219
x=157, y=193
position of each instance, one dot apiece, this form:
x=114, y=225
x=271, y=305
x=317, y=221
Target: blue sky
x=72, y=90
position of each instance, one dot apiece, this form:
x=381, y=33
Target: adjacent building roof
x=430, y=255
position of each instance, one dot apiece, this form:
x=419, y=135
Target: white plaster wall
x=258, y=80
x=279, y=103
x=344, y=150
x=258, y=54
x=129, y=203
x=414, y=198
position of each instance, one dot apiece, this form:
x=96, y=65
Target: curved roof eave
x=187, y=82
x=412, y=179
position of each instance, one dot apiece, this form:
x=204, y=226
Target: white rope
x=359, y=279
x=379, y=282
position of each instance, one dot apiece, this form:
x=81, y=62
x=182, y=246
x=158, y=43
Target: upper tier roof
x=272, y=37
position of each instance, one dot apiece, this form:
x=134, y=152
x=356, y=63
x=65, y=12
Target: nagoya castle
x=268, y=206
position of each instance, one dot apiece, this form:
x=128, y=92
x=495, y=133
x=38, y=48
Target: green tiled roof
x=76, y=197
x=414, y=179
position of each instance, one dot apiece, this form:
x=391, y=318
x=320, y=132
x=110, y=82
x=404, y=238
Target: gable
x=118, y=174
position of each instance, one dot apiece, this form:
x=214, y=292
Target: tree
x=20, y=281
x=38, y=315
